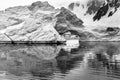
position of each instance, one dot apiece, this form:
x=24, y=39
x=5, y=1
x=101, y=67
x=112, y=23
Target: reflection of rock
x=103, y=58
x=41, y=61
x=44, y=69
x=48, y=62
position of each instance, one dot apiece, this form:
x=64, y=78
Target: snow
x=12, y=27
x=44, y=12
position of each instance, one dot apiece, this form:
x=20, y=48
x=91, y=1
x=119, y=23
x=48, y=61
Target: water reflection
x=89, y=61
x=66, y=61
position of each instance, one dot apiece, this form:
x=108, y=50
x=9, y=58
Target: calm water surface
x=89, y=61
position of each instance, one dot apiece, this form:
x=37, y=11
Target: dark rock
x=65, y=19
x=61, y=28
x=93, y=6
x=112, y=30
x=77, y=4
x=101, y=12
x=110, y=14
x=70, y=17
x=83, y=6
x=71, y=6
x=73, y=32
x=100, y=8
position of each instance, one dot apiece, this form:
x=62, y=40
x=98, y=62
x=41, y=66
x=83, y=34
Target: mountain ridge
x=45, y=23
x=98, y=8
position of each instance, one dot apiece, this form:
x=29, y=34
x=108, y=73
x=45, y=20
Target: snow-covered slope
x=97, y=12
x=98, y=16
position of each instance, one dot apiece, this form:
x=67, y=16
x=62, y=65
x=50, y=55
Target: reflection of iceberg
x=3, y=73
x=71, y=44
x=39, y=51
x=116, y=58
x=22, y=59
x=71, y=40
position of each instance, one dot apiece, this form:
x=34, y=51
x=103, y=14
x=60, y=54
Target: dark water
x=90, y=61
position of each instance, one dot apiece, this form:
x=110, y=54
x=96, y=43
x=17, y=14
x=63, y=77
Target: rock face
x=71, y=6
x=102, y=7
x=66, y=20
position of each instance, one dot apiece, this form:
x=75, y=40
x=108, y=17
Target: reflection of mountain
x=67, y=62
x=42, y=61
x=104, y=63
x=17, y=59
x=95, y=63
x=51, y=62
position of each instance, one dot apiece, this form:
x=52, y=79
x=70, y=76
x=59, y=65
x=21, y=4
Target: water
x=89, y=61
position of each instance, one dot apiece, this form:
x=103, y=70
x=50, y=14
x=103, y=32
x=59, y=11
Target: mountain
x=36, y=22
x=98, y=8
x=40, y=21
x=100, y=17
x=97, y=12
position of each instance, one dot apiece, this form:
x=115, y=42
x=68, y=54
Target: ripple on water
x=90, y=61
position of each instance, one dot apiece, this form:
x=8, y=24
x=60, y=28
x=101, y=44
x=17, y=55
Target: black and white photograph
x=60, y=40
